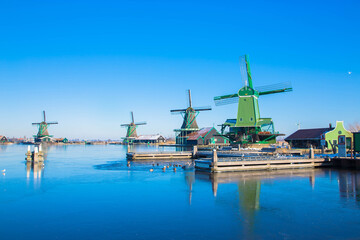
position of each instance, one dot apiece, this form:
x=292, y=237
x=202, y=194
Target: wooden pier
x=158, y=155
x=216, y=164
x=346, y=162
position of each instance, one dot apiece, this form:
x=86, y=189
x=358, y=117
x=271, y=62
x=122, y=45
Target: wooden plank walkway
x=258, y=163
x=158, y=155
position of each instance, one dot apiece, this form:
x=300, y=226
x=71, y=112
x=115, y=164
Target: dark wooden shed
x=205, y=136
x=303, y=138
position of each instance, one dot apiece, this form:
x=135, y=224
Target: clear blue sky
x=89, y=63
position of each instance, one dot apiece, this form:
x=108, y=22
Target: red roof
x=201, y=133
x=303, y=134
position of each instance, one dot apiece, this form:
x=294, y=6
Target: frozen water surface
x=89, y=192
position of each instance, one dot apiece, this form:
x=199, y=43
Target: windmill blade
x=177, y=110
x=44, y=116
x=206, y=108
x=35, y=123
x=275, y=88
x=132, y=116
x=245, y=71
x=226, y=99
x=140, y=123
x=189, y=95
x=125, y=125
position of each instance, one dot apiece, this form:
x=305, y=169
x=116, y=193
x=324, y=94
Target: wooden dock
x=346, y=162
x=216, y=164
x=161, y=155
x=158, y=155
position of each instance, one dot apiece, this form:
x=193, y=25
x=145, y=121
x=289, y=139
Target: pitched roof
x=231, y=121
x=149, y=137
x=201, y=133
x=304, y=134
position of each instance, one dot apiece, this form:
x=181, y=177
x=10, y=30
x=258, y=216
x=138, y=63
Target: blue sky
x=89, y=63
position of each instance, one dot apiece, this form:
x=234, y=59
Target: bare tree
x=354, y=127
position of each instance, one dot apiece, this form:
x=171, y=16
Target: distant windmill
x=43, y=134
x=189, y=115
x=131, y=129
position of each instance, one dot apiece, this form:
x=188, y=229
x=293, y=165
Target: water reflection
x=3, y=147
x=36, y=168
x=349, y=185
x=249, y=191
x=249, y=202
x=190, y=179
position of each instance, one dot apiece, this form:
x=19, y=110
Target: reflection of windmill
x=248, y=126
x=190, y=179
x=131, y=129
x=43, y=134
x=249, y=197
x=189, y=115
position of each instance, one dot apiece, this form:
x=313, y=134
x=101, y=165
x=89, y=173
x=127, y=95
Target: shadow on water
x=146, y=165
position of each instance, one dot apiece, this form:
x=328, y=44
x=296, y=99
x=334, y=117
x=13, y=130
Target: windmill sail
x=226, y=99
x=275, y=88
x=140, y=123
x=206, y=108
x=243, y=72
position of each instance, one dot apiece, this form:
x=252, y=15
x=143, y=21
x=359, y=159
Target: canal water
x=89, y=192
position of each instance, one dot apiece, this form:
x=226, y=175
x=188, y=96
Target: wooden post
x=214, y=157
x=36, y=154
x=311, y=152
x=128, y=148
x=239, y=146
x=195, y=149
x=28, y=155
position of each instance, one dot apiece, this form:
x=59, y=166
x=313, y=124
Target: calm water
x=88, y=192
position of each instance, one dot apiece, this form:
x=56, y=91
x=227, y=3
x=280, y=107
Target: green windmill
x=248, y=127
x=131, y=129
x=189, y=115
x=43, y=134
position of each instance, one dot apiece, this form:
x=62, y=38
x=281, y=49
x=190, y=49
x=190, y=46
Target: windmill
x=43, y=134
x=189, y=115
x=248, y=127
x=131, y=129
